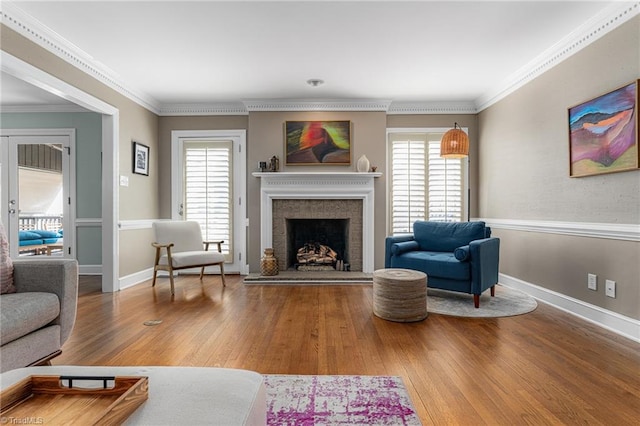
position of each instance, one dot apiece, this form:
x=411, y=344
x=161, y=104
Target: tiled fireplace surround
x=319, y=196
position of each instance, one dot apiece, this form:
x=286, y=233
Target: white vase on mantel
x=363, y=164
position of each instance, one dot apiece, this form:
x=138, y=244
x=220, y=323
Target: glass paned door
x=208, y=181
x=37, y=191
x=208, y=190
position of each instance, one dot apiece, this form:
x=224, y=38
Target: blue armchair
x=457, y=256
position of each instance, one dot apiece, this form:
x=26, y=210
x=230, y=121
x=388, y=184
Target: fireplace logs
x=316, y=254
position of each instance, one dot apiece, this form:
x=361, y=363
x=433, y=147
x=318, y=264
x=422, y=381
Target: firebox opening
x=315, y=242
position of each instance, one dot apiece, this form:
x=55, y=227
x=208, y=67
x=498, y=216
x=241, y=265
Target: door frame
x=110, y=152
x=10, y=159
x=239, y=139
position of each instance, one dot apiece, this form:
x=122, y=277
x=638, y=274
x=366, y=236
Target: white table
x=179, y=395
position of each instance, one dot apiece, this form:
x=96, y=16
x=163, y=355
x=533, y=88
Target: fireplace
x=346, y=197
x=326, y=221
x=317, y=244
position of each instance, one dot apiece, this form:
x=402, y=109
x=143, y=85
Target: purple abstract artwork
x=603, y=133
x=345, y=400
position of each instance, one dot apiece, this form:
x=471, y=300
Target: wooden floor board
x=545, y=367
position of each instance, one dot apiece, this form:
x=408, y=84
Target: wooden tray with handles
x=58, y=400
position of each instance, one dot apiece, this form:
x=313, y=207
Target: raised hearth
x=328, y=192
x=320, y=278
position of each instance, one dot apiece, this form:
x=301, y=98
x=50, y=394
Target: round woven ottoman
x=400, y=295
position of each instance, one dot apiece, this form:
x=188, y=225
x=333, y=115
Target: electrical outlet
x=610, y=289
x=592, y=281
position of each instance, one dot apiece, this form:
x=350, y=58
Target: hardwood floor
x=546, y=367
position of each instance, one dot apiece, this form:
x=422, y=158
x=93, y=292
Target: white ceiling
x=172, y=52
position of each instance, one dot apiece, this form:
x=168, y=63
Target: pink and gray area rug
x=338, y=400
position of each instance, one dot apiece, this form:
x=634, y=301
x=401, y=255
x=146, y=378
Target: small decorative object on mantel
x=274, y=164
x=268, y=263
x=373, y=169
x=262, y=165
x=363, y=164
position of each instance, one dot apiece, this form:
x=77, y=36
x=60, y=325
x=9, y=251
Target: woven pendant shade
x=454, y=143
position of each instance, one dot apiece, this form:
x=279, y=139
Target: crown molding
x=606, y=21
x=316, y=105
x=29, y=27
x=243, y=108
x=609, y=19
x=432, y=108
x=220, y=108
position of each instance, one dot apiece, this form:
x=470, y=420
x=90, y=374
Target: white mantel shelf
x=319, y=185
x=288, y=175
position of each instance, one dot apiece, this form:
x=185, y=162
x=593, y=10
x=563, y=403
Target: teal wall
x=88, y=126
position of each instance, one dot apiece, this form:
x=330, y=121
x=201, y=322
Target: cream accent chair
x=185, y=249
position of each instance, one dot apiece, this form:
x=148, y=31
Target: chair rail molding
x=612, y=231
x=130, y=225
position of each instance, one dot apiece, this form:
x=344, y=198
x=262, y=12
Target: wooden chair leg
x=224, y=284
x=171, y=281
x=476, y=300
x=155, y=273
x=201, y=273
x=493, y=291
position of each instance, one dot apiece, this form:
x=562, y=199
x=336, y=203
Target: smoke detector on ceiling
x=315, y=82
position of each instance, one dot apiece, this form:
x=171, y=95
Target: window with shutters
x=208, y=191
x=422, y=185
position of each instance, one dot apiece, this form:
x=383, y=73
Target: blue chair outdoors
x=456, y=256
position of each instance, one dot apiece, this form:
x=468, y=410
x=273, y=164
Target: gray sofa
x=37, y=319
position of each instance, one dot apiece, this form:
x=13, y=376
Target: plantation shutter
x=208, y=192
x=408, y=184
x=445, y=186
x=424, y=186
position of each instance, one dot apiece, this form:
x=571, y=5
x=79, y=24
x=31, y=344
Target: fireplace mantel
x=319, y=185
x=288, y=176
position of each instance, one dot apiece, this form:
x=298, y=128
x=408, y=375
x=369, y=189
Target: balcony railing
x=48, y=223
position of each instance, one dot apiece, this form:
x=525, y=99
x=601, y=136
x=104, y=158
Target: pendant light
x=454, y=143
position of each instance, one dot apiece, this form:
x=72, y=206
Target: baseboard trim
x=90, y=269
x=612, y=321
x=135, y=278
x=147, y=274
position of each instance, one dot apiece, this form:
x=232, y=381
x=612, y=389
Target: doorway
x=38, y=166
x=110, y=150
x=208, y=185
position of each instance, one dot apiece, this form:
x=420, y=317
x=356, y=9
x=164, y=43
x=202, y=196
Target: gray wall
x=524, y=175
x=88, y=127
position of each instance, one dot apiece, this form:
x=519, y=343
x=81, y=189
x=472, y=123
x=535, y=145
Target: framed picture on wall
x=140, y=159
x=317, y=143
x=603, y=133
